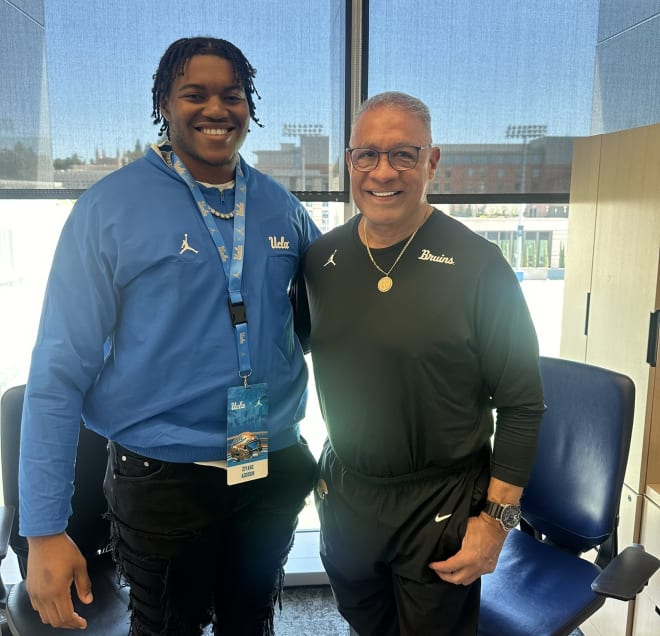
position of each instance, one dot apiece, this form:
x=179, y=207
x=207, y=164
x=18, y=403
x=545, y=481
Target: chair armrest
x=626, y=574
x=6, y=521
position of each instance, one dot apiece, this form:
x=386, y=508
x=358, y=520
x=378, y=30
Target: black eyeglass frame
x=389, y=159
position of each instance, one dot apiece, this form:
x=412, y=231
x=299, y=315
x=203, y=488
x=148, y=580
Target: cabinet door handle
x=586, y=314
x=652, y=347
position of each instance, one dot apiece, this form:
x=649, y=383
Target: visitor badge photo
x=247, y=433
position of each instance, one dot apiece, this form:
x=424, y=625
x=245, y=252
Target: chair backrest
x=87, y=527
x=573, y=494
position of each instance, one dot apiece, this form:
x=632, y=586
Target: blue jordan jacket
x=136, y=335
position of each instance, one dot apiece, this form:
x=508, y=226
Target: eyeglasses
x=400, y=158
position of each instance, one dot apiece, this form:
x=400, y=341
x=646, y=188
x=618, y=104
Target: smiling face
x=208, y=116
x=391, y=200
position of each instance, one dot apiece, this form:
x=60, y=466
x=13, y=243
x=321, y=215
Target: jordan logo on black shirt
x=331, y=260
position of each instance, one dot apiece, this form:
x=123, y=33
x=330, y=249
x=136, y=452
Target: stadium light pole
x=300, y=131
x=524, y=132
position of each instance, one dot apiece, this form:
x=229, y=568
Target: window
x=509, y=90
x=77, y=77
x=500, y=89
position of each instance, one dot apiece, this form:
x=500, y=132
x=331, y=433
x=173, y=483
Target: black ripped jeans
x=195, y=550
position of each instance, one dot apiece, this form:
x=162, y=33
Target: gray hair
x=397, y=101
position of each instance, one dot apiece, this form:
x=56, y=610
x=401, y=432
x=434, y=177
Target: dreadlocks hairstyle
x=175, y=58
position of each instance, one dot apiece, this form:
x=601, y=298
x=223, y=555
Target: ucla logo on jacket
x=278, y=244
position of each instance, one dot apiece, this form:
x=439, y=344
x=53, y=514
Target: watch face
x=511, y=516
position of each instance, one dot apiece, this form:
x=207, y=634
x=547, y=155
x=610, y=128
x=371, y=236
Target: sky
x=479, y=64
x=485, y=64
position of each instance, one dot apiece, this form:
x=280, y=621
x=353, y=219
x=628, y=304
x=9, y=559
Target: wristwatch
x=507, y=514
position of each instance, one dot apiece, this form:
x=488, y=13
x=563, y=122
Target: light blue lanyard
x=233, y=267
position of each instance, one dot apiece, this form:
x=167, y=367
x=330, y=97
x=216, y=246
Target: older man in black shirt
x=419, y=331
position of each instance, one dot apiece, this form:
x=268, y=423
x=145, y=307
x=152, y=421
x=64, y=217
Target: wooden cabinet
x=647, y=616
x=647, y=606
x=612, y=618
x=612, y=287
x=650, y=537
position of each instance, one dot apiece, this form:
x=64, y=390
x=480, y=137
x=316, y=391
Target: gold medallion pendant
x=384, y=284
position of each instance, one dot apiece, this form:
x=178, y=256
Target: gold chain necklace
x=167, y=156
x=220, y=215
x=223, y=186
x=385, y=283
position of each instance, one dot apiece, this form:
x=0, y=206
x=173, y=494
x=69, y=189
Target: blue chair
x=542, y=586
x=108, y=614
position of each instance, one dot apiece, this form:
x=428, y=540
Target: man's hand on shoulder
x=54, y=564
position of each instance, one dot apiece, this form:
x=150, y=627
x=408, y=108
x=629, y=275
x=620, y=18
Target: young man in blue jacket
x=168, y=326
